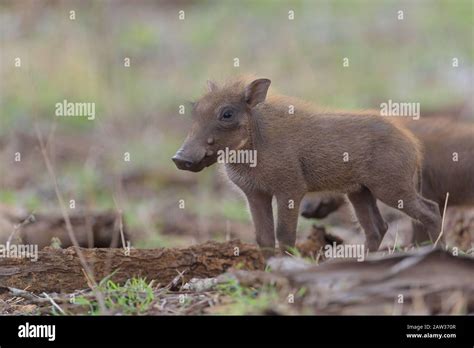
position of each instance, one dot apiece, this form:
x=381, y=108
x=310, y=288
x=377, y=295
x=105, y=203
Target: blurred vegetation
x=137, y=106
x=135, y=297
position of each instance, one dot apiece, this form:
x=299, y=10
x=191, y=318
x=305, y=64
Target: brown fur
x=440, y=138
x=303, y=152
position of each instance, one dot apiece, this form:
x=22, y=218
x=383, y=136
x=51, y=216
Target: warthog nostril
x=182, y=162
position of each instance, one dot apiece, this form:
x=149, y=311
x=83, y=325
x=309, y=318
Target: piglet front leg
x=288, y=211
x=260, y=204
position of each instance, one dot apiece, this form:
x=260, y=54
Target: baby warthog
x=302, y=149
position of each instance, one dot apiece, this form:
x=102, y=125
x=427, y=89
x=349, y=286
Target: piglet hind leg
x=430, y=217
x=369, y=217
x=417, y=207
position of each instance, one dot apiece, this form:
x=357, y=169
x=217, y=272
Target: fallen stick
x=60, y=270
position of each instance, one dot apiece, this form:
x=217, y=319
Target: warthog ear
x=211, y=86
x=256, y=92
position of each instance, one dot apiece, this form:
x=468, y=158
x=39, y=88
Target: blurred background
x=137, y=106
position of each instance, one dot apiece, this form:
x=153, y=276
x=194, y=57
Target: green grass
x=248, y=300
x=132, y=298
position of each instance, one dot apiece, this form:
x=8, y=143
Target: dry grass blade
x=65, y=214
x=54, y=303
x=442, y=221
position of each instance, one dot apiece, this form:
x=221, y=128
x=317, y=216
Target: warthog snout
x=187, y=161
x=181, y=162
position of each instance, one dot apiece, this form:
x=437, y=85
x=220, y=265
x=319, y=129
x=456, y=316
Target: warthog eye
x=227, y=114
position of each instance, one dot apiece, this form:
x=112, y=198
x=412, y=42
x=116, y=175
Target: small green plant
x=133, y=297
x=248, y=300
x=296, y=253
x=293, y=251
x=55, y=243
